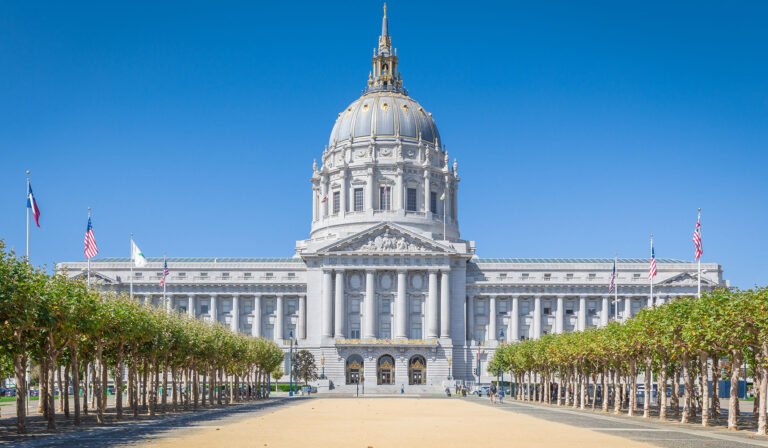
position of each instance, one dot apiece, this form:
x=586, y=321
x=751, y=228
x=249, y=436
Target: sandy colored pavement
x=393, y=422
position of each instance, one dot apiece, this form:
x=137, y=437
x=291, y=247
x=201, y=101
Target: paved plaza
x=381, y=422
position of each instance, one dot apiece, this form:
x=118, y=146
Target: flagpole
x=130, y=261
x=616, y=285
x=165, y=300
x=89, y=260
x=445, y=199
x=651, y=299
x=28, y=216
x=698, y=224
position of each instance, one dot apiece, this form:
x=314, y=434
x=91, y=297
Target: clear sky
x=580, y=127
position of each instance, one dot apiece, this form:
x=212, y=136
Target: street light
x=501, y=392
x=290, y=366
x=322, y=363
x=450, y=363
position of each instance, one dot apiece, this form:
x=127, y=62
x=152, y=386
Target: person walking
x=492, y=393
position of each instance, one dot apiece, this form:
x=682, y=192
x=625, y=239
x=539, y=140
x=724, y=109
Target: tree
x=277, y=373
x=304, y=366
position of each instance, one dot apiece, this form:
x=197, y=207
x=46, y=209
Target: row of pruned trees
x=59, y=324
x=684, y=342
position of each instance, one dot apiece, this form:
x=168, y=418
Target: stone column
x=214, y=309
x=514, y=320
x=537, y=317
x=279, y=336
x=191, y=312
x=326, y=305
x=324, y=193
x=426, y=193
x=627, y=307
x=470, y=319
x=370, y=185
x=605, y=312
x=492, y=336
x=235, y=314
x=398, y=203
x=582, y=320
x=256, y=326
x=401, y=305
x=432, y=306
x=445, y=304
x=301, y=328
x=370, y=304
x=343, y=193
x=560, y=315
x=339, y=306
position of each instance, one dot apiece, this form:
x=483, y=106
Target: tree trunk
x=119, y=382
x=174, y=398
x=98, y=384
x=632, y=387
x=62, y=396
x=688, y=390
x=42, y=398
x=662, y=391
x=66, y=390
x=584, y=381
x=675, y=393
x=704, y=356
x=51, y=406
x=164, y=399
x=86, y=387
x=648, y=391
x=76, y=383
x=762, y=407
x=604, y=393
x=20, y=371
x=715, y=385
x=202, y=390
x=155, y=372
x=196, y=387
x=144, y=385
x=733, y=402
x=104, y=389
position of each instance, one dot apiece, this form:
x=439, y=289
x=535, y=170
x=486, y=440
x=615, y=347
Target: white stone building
x=385, y=288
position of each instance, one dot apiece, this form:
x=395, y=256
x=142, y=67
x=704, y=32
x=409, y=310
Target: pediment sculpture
x=385, y=242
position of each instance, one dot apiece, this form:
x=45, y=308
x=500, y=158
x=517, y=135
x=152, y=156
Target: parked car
x=482, y=390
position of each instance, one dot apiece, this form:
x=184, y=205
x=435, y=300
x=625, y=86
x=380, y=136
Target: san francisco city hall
x=385, y=288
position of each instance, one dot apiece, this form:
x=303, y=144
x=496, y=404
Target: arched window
x=417, y=370
x=385, y=370
x=354, y=369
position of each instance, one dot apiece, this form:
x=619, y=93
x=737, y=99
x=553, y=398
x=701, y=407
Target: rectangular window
x=547, y=311
x=336, y=202
x=291, y=274
x=636, y=276
x=592, y=276
x=501, y=307
x=354, y=330
x=182, y=275
x=433, y=201
x=502, y=276
x=411, y=200
x=525, y=307
x=225, y=274
x=386, y=330
x=269, y=275
x=354, y=306
x=138, y=275
x=158, y=274
x=203, y=274
x=547, y=277
x=569, y=276
x=416, y=330
x=384, y=198
x=291, y=307
x=525, y=276
x=203, y=309
x=247, y=275
x=386, y=306
x=415, y=305
x=358, y=199
x=480, y=334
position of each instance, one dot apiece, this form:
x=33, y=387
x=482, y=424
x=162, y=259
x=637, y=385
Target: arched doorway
x=417, y=370
x=354, y=369
x=385, y=370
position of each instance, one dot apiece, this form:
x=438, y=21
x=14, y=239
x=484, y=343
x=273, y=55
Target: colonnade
x=334, y=307
x=512, y=332
x=257, y=314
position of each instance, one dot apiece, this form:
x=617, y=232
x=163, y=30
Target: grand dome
x=382, y=114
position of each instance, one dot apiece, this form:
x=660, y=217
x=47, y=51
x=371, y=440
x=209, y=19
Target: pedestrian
x=492, y=393
x=402, y=389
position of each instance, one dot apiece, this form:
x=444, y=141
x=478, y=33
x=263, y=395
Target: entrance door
x=417, y=370
x=385, y=370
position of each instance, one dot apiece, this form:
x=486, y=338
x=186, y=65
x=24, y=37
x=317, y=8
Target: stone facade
x=385, y=288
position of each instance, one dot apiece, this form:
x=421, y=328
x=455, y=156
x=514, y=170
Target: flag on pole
x=652, y=270
x=90, y=242
x=165, y=272
x=325, y=199
x=697, y=238
x=613, y=277
x=32, y=204
x=442, y=198
x=137, y=257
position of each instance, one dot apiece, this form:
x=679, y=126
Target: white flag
x=136, y=256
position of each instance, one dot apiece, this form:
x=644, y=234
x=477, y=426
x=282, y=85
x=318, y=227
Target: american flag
x=697, y=238
x=165, y=272
x=90, y=242
x=652, y=270
x=613, y=277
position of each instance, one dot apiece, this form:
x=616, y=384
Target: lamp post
x=501, y=392
x=290, y=366
x=322, y=363
x=450, y=364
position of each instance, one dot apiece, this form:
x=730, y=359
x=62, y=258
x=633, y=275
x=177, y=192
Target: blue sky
x=580, y=127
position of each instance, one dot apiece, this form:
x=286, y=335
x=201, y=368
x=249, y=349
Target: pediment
x=686, y=279
x=96, y=278
x=387, y=238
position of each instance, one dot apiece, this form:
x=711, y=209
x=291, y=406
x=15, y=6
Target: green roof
x=574, y=260
x=201, y=260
